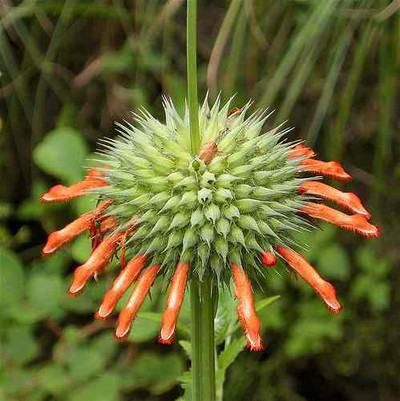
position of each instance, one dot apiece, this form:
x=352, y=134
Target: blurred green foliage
x=70, y=68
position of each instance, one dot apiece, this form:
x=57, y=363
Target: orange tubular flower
x=347, y=200
x=328, y=169
x=246, y=311
x=128, y=314
x=127, y=276
x=356, y=222
x=61, y=193
x=96, y=262
x=59, y=238
x=175, y=299
x=301, y=151
x=85, y=222
x=323, y=288
x=268, y=259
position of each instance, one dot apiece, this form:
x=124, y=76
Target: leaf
x=12, y=279
x=312, y=330
x=333, y=261
x=230, y=353
x=226, y=358
x=81, y=248
x=61, y=154
x=102, y=388
x=20, y=346
x=187, y=346
x=263, y=303
x=156, y=373
x=45, y=292
x=83, y=362
x=144, y=330
x=225, y=318
x=53, y=378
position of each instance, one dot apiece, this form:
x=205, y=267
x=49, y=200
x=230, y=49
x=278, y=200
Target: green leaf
x=312, y=330
x=230, y=353
x=12, y=279
x=45, y=292
x=61, y=154
x=20, y=346
x=144, y=330
x=154, y=372
x=102, y=388
x=81, y=248
x=226, y=358
x=84, y=362
x=187, y=346
x=263, y=303
x=333, y=262
x=53, y=378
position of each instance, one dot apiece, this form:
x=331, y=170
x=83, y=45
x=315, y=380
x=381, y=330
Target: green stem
x=201, y=294
x=191, y=51
x=202, y=299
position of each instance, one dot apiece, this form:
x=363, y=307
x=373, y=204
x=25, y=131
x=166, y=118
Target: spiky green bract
x=243, y=201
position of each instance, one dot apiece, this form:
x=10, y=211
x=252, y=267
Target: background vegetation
x=70, y=68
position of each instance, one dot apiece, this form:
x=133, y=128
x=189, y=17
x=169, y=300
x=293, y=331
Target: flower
x=230, y=212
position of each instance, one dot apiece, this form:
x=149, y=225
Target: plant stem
x=203, y=345
x=191, y=53
x=201, y=294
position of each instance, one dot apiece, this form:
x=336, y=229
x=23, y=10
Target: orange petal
x=300, y=151
x=323, y=288
x=246, y=310
x=268, y=258
x=355, y=222
x=60, y=193
x=175, y=298
x=120, y=285
x=329, y=169
x=59, y=238
x=128, y=314
x=96, y=262
x=348, y=200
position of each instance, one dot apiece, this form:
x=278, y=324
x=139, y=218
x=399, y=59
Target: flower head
x=229, y=211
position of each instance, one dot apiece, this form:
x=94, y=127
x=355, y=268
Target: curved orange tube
x=355, y=222
x=128, y=314
x=329, y=169
x=61, y=193
x=59, y=238
x=246, y=309
x=125, y=278
x=323, y=288
x=96, y=262
x=347, y=200
x=174, y=302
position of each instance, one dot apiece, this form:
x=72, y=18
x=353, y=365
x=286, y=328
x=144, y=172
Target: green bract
x=242, y=201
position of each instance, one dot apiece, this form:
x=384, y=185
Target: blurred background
x=69, y=69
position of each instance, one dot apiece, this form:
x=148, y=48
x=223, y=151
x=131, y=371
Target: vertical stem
x=203, y=345
x=202, y=294
x=191, y=52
